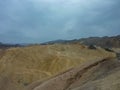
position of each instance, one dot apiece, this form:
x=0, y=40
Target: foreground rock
x=96, y=75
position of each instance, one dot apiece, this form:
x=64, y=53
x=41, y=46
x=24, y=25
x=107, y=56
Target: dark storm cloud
x=30, y=21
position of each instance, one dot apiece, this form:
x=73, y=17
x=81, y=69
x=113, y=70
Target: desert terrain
x=59, y=66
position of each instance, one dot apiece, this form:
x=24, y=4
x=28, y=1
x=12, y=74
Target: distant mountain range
x=106, y=42
x=2, y=45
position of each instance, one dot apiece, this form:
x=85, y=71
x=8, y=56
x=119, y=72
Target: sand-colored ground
x=97, y=75
x=19, y=67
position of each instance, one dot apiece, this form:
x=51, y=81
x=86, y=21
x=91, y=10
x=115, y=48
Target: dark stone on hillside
x=108, y=49
x=92, y=47
x=118, y=55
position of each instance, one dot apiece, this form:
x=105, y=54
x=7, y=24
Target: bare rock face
x=97, y=75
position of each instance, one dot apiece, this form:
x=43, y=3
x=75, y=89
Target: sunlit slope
x=27, y=64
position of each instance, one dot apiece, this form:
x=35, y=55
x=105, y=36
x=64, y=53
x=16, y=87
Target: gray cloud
x=31, y=21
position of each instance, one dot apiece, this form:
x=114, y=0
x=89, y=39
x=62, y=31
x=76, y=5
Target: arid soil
x=56, y=67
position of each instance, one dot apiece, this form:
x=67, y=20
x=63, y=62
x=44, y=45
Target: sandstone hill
x=21, y=66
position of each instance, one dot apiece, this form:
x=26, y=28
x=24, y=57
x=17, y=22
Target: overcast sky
x=35, y=21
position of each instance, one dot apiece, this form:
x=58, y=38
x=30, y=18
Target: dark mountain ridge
x=3, y=46
x=105, y=42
